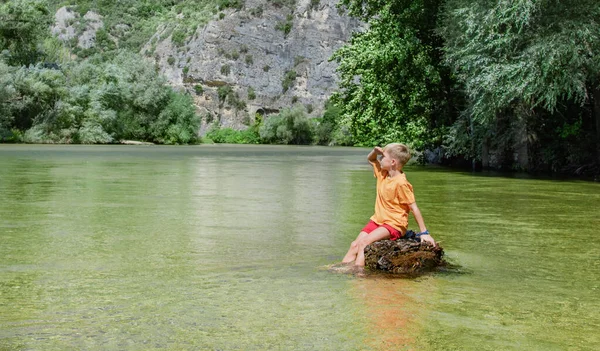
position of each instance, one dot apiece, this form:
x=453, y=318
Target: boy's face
x=386, y=162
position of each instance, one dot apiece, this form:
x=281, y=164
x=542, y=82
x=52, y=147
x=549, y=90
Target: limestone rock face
x=69, y=24
x=63, y=27
x=276, y=53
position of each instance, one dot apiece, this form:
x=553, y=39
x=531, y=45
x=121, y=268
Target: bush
x=232, y=136
x=291, y=126
x=235, y=4
x=11, y=136
x=198, y=89
x=92, y=133
x=177, y=123
x=236, y=102
x=251, y=94
x=223, y=92
x=35, y=135
x=225, y=70
x=285, y=26
x=288, y=80
x=178, y=37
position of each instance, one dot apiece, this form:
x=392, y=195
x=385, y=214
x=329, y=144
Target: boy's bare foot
x=342, y=267
x=358, y=271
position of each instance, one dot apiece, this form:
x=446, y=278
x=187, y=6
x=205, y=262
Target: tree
x=393, y=86
x=7, y=94
x=526, y=59
x=23, y=26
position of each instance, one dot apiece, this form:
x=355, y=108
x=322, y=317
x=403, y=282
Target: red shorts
x=371, y=226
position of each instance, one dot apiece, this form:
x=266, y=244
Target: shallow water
x=226, y=248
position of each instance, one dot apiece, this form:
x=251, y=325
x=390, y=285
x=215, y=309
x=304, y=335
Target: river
x=223, y=247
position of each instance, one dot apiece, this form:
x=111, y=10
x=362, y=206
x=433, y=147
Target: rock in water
x=403, y=256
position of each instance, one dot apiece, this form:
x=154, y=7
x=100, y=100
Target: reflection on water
x=393, y=310
x=221, y=248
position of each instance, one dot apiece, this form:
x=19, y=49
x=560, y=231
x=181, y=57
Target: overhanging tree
x=393, y=87
x=527, y=60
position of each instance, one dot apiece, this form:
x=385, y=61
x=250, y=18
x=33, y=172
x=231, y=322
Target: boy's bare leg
x=353, y=250
x=376, y=235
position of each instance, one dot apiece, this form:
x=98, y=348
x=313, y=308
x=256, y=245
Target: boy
x=395, y=199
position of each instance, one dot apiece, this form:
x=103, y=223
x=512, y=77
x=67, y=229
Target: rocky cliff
x=272, y=57
x=259, y=58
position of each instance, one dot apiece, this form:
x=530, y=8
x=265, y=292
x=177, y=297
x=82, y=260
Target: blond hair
x=399, y=152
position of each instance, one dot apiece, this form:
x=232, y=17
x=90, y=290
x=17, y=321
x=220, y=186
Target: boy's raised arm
x=374, y=153
x=419, y=218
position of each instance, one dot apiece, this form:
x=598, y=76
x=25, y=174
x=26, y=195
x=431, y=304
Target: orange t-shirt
x=394, y=195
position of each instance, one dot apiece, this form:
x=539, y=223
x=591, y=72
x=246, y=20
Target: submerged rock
x=403, y=256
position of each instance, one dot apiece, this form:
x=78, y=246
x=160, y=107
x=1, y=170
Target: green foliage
x=234, y=55
x=232, y=136
x=95, y=101
x=8, y=94
x=251, y=93
x=226, y=94
x=177, y=123
x=285, y=26
x=249, y=60
x=23, y=26
x=223, y=92
x=392, y=83
x=91, y=132
x=198, y=89
x=529, y=52
x=291, y=126
x=225, y=70
x=171, y=60
x=178, y=37
x=328, y=130
x=132, y=22
x=104, y=41
x=288, y=80
x=266, y=68
x=236, y=4
x=529, y=64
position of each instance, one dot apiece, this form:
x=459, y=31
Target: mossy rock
x=403, y=256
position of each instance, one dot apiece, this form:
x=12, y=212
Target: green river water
x=226, y=248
